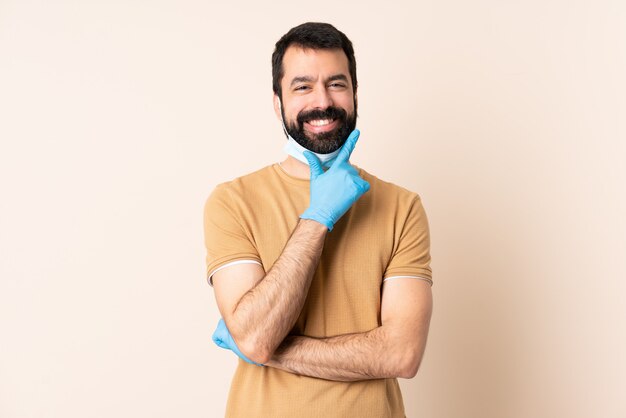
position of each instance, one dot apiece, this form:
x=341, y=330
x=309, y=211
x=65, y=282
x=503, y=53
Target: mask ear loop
x=290, y=140
x=282, y=120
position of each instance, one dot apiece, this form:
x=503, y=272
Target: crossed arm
x=393, y=349
x=260, y=309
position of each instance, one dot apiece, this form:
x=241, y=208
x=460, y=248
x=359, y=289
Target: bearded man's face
x=318, y=102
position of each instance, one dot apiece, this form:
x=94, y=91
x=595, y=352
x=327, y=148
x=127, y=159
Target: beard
x=325, y=142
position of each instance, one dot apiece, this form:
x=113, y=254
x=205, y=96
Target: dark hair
x=315, y=36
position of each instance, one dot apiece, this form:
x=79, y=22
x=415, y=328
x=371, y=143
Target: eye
x=301, y=88
x=337, y=85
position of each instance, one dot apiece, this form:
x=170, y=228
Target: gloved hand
x=333, y=192
x=223, y=339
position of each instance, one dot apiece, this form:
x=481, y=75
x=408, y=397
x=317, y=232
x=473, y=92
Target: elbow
x=254, y=350
x=249, y=345
x=406, y=353
x=408, y=363
x=409, y=370
x=259, y=356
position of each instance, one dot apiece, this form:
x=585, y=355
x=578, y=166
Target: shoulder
x=381, y=190
x=236, y=193
x=248, y=180
x=244, y=184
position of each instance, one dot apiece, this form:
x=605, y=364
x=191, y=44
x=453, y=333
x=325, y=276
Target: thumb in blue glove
x=223, y=339
x=333, y=192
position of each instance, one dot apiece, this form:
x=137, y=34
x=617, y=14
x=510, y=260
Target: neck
x=296, y=168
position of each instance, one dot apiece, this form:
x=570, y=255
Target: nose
x=322, y=99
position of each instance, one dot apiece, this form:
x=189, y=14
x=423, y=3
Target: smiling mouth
x=320, y=122
x=321, y=125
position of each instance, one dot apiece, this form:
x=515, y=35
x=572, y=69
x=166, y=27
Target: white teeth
x=320, y=122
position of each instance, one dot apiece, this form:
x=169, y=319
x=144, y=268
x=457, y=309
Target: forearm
x=267, y=312
x=350, y=357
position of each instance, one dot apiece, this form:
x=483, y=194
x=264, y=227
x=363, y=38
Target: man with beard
x=321, y=271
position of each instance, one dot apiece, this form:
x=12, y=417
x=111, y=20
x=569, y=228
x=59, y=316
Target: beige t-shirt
x=383, y=235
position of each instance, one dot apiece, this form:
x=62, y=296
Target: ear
x=356, y=100
x=277, y=107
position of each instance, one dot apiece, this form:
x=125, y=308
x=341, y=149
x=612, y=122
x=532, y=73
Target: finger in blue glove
x=333, y=192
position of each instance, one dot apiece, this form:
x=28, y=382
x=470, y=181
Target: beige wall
x=118, y=118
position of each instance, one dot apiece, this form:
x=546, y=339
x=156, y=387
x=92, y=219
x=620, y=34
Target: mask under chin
x=297, y=151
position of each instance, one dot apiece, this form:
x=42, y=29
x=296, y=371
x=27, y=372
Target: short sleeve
x=225, y=238
x=411, y=257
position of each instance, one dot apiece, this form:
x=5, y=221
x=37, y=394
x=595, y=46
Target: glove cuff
x=317, y=217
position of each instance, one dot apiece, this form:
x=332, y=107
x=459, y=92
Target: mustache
x=328, y=113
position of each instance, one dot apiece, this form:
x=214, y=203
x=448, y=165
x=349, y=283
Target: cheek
x=295, y=107
x=346, y=102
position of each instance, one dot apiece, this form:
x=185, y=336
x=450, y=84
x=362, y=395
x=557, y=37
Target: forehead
x=299, y=62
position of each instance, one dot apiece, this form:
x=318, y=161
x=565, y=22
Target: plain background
x=117, y=119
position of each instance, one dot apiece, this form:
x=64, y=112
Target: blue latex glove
x=223, y=339
x=333, y=192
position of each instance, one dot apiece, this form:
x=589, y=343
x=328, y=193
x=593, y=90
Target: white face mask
x=297, y=151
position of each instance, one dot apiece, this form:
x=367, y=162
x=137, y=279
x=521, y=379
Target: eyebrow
x=307, y=79
x=336, y=77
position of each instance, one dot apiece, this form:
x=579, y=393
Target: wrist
x=316, y=218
